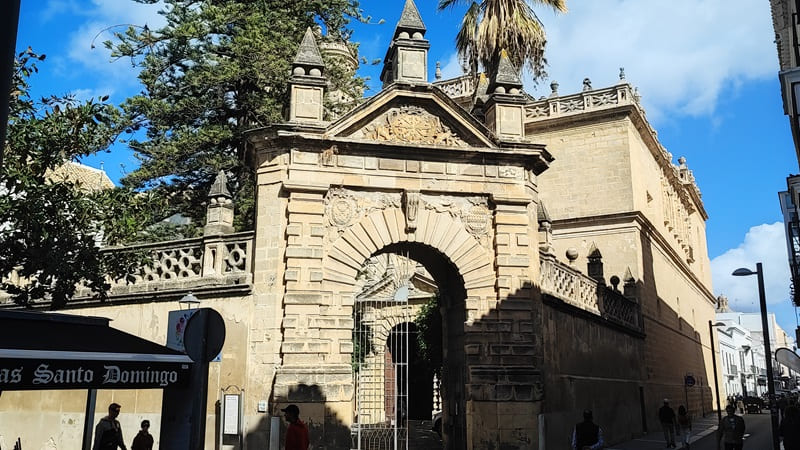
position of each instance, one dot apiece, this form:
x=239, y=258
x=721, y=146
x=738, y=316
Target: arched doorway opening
x=394, y=380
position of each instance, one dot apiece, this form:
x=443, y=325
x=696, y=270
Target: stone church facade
x=567, y=251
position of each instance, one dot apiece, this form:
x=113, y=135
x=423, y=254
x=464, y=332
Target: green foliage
x=217, y=69
x=362, y=336
x=429, y=334
x=491, y=26
x=51, y=229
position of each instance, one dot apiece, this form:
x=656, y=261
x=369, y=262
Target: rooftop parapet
x=623, y=94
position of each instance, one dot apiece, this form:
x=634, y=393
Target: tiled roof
x=89, y=178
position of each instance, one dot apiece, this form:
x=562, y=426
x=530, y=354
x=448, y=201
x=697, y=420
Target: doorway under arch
x=392, y=383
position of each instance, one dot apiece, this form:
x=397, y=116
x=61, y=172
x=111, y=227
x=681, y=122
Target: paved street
x=704, y=435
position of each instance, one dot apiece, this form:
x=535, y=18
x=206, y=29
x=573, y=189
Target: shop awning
x=40, y=351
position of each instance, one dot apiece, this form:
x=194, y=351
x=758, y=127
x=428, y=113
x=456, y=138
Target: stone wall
x=613, y=186
x=590, y=365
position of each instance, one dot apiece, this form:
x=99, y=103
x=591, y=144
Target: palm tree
x=490, y=26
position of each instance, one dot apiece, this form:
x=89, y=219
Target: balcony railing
x=569, y=285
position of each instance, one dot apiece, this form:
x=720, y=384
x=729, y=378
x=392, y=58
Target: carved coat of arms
x=413, y=125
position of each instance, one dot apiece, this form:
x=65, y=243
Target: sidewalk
x=701, y=427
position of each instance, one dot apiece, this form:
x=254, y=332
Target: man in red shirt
x=297, y=434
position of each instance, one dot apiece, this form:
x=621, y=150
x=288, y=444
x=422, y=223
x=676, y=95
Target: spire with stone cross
x=307, y=83
x=505, y=108
x=407, y=57
x=219, y=212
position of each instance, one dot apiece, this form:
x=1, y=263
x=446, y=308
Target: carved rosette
x=410, y=125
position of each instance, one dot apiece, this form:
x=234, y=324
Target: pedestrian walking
x=666, y=415
x=143, y=440
x=587, y=435
x=684, y=426
x=108, y=432
x=790, y=428
x=731, y=430
x=297, y=434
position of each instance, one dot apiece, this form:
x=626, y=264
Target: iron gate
x=381, y=341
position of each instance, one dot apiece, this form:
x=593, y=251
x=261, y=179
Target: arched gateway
x=408, y=172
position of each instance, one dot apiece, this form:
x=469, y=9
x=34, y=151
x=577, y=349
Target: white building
x=742, y=361
x=742, y=353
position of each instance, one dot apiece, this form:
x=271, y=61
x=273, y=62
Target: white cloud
x=452, y=68
x=86, y=94
x=682, y=54
x=100, y=15
x=763, y=243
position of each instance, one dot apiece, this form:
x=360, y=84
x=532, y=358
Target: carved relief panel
x=345, y=207
x=410, y=125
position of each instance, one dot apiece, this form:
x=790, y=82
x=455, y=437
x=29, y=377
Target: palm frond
x=444, y=4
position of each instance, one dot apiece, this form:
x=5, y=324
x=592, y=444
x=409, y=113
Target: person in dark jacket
x=587, y=435
x=108, y=432
x=790, y=428
x=666, y=415
x=143, y=440
x=731, y=430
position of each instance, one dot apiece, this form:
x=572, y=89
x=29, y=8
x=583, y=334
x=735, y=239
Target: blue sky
x=707, y=72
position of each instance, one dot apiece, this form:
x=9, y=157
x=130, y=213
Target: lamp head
x=743, y=272
x=189, y=300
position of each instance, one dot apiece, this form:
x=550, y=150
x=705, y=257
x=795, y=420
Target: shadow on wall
x=673, y=349
x=620, y=374
x=326, y=430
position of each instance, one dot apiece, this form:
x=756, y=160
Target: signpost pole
x=88, y=419
x=688, y=381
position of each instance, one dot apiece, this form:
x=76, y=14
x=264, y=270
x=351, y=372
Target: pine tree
x=217, y=69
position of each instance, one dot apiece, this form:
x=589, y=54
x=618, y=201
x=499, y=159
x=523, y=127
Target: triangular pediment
x=418, y=115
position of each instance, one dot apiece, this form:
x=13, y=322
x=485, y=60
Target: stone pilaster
x=504, y=381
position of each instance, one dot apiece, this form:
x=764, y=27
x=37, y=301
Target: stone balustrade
x=462, y=86
x=209, y=263
x=567, y=284
x=582, y=102
x=617, y=308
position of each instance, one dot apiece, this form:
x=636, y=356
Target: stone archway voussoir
x=353, y=246
x=382, y=234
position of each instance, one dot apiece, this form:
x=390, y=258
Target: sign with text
x=36, y=374
x=230, y=414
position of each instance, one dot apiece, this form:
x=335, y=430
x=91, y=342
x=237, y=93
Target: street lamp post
x=767, y=352
x=714, y=363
